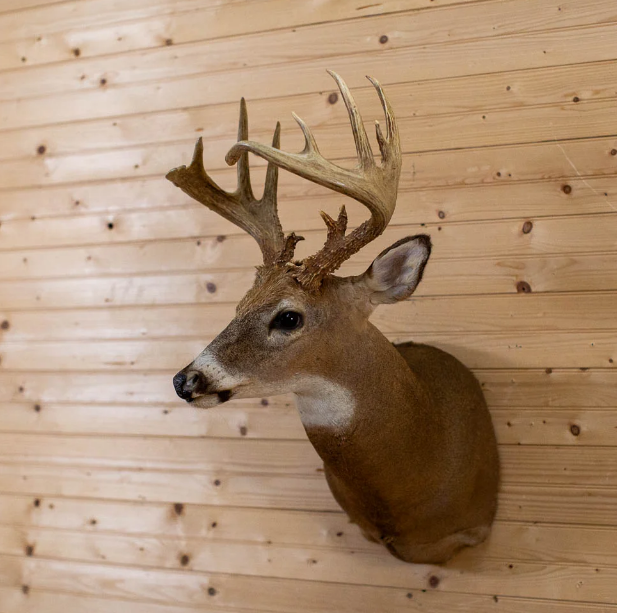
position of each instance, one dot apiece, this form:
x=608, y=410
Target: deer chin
x=208, y=401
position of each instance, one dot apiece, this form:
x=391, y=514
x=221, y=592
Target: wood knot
x=575, y=429
x=522, y=287
x=566, y=189
x=441, y=215
x=5, y=325
x=433, y=581
x=178, y=508
x=211, y=287
x=333, y=98
x=211, y=591
x=383, y=39
x=41, y=149
x=527, y=227
x=184, y=559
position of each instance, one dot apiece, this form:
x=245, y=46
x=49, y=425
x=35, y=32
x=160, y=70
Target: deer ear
x=396, y=272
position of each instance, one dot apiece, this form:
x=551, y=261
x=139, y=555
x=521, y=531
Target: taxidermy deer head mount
x=288, y=318
x=366, y=407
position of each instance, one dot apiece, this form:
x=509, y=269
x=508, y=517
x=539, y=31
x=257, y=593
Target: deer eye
x=287, y=320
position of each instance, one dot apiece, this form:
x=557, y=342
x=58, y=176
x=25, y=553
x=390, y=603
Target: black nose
x=186, y=386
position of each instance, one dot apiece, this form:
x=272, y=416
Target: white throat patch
x=325, y=404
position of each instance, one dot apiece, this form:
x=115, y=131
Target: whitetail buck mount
x=404, y=432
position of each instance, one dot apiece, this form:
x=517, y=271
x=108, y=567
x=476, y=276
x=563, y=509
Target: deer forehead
x=275, y=286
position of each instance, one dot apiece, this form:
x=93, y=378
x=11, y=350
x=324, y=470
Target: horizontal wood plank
x=575, y=273
x=517, y=502
x=457, y=314
x=371, y=567
x=191, y=589
x=14, y=600
x=431, y=210
x=521, y=349
x=277, y=418
x=508, y=239
x=502, y=388
x=317, y=43
x=568, y=466
x=557, y=159
x=56, y=17
x=533, y=92
x=441, y=60
x=180, y=523
x=189, y=22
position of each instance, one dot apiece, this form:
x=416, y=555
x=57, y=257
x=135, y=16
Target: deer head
x=299, y=323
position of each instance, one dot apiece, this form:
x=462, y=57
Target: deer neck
x=363, y=384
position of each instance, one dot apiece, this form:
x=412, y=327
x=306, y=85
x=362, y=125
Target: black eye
x=287, y=320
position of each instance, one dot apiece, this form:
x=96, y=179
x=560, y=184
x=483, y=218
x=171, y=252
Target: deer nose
x=186, y=385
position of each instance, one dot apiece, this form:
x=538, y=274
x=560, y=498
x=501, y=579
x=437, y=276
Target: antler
x=257, y=217
x=372, y=185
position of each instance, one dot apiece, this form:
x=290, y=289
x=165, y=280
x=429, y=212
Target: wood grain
x=277, y=418
x=115, y=497
x=439, y=61
x=330, y=41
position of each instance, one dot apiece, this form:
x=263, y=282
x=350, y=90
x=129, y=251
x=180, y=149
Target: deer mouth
x=208, y=401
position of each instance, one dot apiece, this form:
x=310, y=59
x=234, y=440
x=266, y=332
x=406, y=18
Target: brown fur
x=417, y=467
x=404, y=433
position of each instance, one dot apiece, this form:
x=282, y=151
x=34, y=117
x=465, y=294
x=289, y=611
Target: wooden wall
x=115, y=497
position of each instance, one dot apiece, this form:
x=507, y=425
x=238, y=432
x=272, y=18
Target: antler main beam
x=374, y=186
x=257, y=217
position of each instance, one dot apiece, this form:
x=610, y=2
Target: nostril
x=193, y=382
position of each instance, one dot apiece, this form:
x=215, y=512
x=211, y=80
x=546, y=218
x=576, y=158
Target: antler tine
x=244, y=190
x=372, y=185
x=363, y=146
x=390, y=144
x=259, y=218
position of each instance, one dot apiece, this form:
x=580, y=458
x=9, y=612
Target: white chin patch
x=325, y=404
x=208, y=401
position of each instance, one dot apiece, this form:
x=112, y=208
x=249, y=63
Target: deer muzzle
x=192, y=384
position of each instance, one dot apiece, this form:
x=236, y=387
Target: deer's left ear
x=396, y=272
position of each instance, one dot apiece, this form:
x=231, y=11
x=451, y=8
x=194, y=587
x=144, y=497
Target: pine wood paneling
x=117, y=498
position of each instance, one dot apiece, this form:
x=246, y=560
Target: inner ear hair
x=395, y=276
